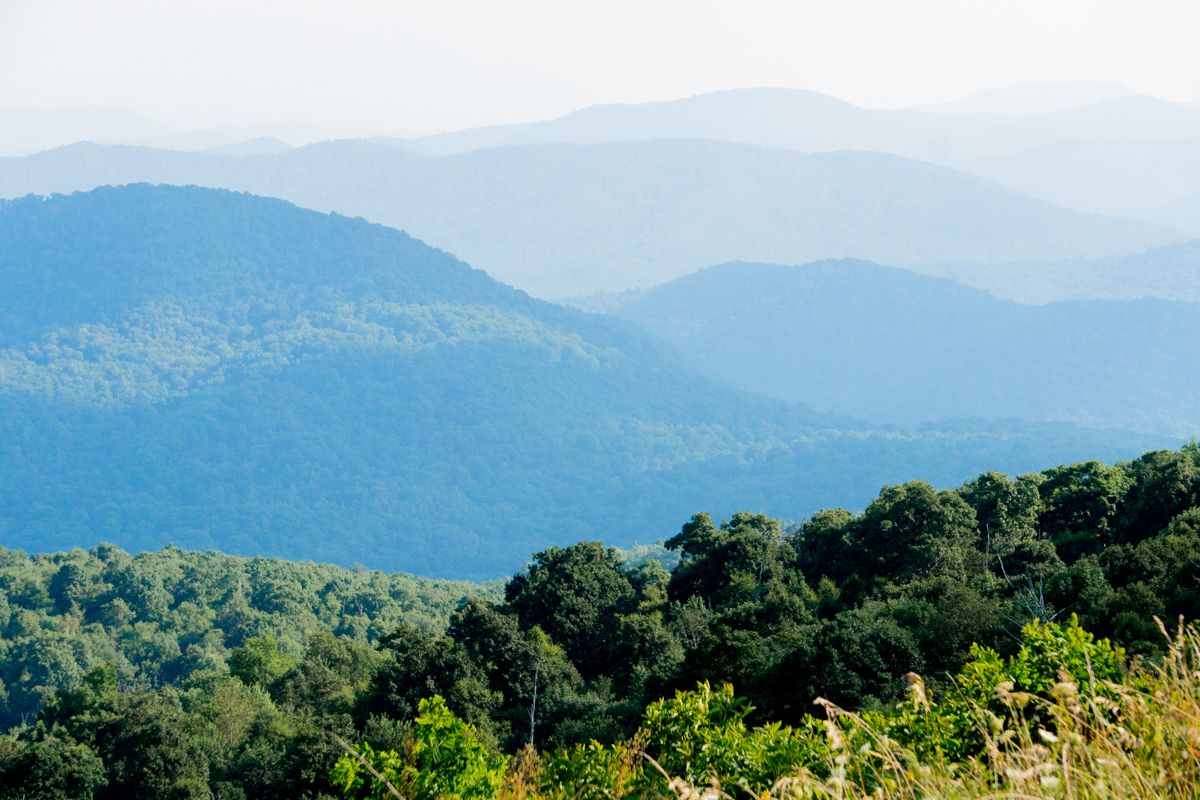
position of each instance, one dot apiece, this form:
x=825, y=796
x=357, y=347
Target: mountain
x=225, y=371
x=892, y=346
x=1130, y=117
x=1089, y=145
x=1183, y=212
x=769, y=117
x=1033, y=98
x=563, y=220
x=1125, y=177
x=807, y=121
x=1170, y=272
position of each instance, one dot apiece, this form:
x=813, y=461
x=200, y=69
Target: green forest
x=1000, y=637
x=222, y=371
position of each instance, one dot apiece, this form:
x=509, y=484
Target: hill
x=1008, y=120
x=1182, y=212
x=220, y=370
x=176, y=674
x=564, y=220
x=1170, y=272
x=1130, y=177
x=893, y=346
x=1090, y=146
x=155, y=618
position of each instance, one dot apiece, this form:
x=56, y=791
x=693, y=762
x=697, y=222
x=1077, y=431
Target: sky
x=408, y=68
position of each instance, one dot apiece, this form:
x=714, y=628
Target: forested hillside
x=850, y=607
x=890, y=345
x=560, y=220
x=158, y=618
x=192, y=366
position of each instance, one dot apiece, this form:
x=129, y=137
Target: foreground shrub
x=443, y=759
x=1063, y=717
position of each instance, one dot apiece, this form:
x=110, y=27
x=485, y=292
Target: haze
x=407, y=68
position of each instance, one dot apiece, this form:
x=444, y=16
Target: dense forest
x=995, y=582
x=216, y=370
x=158, y=618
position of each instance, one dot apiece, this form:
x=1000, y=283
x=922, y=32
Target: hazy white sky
x=406, y=66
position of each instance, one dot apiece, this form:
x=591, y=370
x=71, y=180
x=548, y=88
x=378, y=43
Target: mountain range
x=1169, y=272
x=564, y=220
x=808, y=121
x=893, y=346
x=1092, y=146
x=226, y=371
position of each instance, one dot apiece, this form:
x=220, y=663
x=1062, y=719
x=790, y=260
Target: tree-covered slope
x=893, y=346
x=563, y=220
x=158, y=617
x=951, y=626
x=217, y=370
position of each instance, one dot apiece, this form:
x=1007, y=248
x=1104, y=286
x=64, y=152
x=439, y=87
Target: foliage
x=210, y=369
x=443, y=759
x=160, y=618
x=948, y=634
x=894, y=346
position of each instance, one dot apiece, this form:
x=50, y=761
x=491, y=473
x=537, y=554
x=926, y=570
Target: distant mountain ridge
x=225, y=371
x=1169, y=272
x=893, y=346
x=1093, y=146
x=1089, y=145
x=808, y=121
x=565, y=220
x=1134, y=177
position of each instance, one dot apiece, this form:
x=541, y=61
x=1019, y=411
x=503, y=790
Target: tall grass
x=1065, y=718
x=1137, y=738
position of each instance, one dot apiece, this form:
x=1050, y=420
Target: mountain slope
x=218, y=370
x=563, y=220
x=893, y=346
x=1182, y=212
x=1124, y=177
x=1170, y=272
x=808, y=121
x=1090, y=146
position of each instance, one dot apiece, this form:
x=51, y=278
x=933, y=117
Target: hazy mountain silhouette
x=1170, y=272
x=220, y=370
x=563, y=220
x=1124, y=177
x=808, y=121
x=1183, y=212
x=893, y=346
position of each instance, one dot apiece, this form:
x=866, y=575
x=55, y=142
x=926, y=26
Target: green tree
x=914, y=530
x=259, y=661
x=444, y=761
x=571, y=593
x=52, y=768
x=1080, y=505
